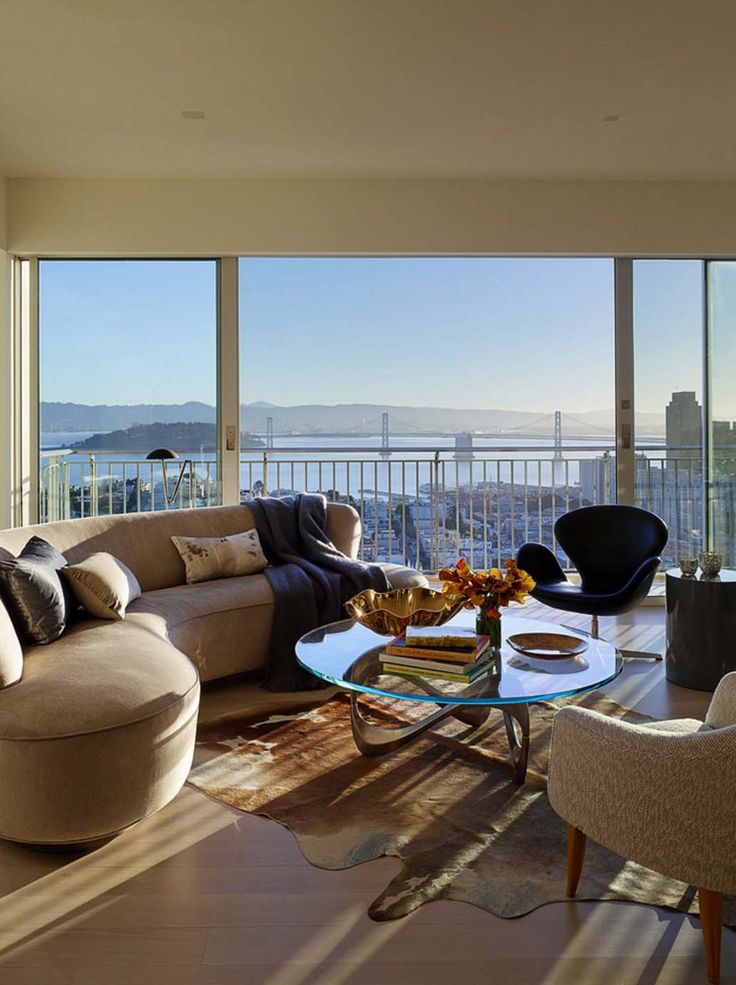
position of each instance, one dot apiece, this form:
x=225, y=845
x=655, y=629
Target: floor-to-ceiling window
x=460, y=404
x=127, y=357
x=721, y=408
x=668, y=363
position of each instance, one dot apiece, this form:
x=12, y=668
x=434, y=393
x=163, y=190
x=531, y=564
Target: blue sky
x=463, y=332
x=127, y=332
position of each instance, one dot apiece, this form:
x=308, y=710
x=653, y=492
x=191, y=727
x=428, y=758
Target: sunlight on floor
x=310, y=955
x=361, y=952
x=645, y=936
x=55, y=896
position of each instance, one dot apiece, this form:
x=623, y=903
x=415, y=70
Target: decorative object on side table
x=389, y=613
x=710, y=563
x=688, y=565
x=489, y=590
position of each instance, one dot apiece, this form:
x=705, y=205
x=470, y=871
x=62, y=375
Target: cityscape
x=428, y=499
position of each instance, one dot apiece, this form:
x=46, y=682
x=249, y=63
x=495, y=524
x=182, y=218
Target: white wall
x=209, y=217
x=3, y=214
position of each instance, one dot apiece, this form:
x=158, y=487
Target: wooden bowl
x=548, y=646
x=389, y=613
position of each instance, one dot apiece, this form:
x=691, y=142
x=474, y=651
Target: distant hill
x=146, y=437
x=347, y=419
x=104, y=417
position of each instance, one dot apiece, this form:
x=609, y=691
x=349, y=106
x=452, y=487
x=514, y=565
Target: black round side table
x=701, y=628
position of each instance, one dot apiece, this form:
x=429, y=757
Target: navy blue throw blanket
x=310, y=579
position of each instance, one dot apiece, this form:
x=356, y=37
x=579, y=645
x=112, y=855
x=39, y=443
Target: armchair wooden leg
x=576, y=841
x=710, y=922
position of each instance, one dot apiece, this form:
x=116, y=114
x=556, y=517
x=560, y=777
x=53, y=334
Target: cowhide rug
x=448, y=809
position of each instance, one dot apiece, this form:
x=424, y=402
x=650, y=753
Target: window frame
x=24, y=362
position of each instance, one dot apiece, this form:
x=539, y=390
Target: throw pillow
x=206, y=558
x=39, y=603
x=11, y=654
x=103, y=585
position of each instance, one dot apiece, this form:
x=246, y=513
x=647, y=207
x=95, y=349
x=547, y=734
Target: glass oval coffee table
x=348, y=655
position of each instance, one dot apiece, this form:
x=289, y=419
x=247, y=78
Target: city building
x=684, y=427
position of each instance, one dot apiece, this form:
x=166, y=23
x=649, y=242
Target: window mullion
x=624, y=380
x=228, y=381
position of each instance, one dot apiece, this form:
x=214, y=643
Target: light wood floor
x=203, y=895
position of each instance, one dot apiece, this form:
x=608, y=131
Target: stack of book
x=452, y=654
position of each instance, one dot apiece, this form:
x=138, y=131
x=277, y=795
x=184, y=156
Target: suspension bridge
x=556, y=425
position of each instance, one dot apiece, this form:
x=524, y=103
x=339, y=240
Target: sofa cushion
x=78, y=788
x=223, y=626
x=38, y=602
x=206, y=558
x=98, y=734
x=103, y=585
x=182, y=603
x=11, y=652
x=98, y=675
x=402, y=577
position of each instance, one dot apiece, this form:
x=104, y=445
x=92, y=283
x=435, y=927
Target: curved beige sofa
x=99, y=731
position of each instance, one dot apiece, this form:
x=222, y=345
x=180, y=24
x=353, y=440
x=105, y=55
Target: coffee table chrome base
x=377, y=740
x=514, y=715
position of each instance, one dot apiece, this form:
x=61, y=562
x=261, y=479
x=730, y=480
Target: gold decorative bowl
x=389, y=613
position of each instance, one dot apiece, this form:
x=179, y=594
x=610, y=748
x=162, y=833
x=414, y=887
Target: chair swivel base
x=626, y=654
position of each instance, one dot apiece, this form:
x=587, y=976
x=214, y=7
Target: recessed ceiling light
x=193, y=114
x=611, y=118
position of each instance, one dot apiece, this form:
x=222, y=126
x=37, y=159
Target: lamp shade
x=161, y=454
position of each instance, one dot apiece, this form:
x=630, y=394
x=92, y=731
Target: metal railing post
x=93, y=503
x=436, y=559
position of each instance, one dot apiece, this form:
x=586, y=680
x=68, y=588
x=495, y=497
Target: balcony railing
x=419, y=506
x=74, y=485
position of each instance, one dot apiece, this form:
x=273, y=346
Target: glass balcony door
x=668, y=374
x=127, y=366
x=460, y=404
x=721, y=408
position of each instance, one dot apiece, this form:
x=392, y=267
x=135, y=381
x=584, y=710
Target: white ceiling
x=343, y=88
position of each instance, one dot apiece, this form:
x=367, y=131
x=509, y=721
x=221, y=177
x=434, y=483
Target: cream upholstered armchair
x=662, y=794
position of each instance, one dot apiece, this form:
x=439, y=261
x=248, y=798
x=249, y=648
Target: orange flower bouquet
x=490, y=590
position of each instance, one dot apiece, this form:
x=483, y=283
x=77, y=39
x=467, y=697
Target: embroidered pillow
x=38, y=602
x=206, y=558
x=103, y=585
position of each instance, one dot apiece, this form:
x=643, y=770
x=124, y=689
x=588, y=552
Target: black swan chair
x=616, y=550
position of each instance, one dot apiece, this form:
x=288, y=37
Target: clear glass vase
x=489, y=626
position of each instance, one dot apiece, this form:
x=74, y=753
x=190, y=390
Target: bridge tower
x=385, y=443
x=558, y=436
x=269, y=432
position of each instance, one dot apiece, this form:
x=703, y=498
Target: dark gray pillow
x=39, y=604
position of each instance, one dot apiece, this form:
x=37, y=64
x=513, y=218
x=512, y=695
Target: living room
x=368, y=502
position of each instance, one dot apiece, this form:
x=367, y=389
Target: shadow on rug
x=449, y=810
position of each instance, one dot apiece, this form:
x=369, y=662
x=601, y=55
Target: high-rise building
x=683, y=427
